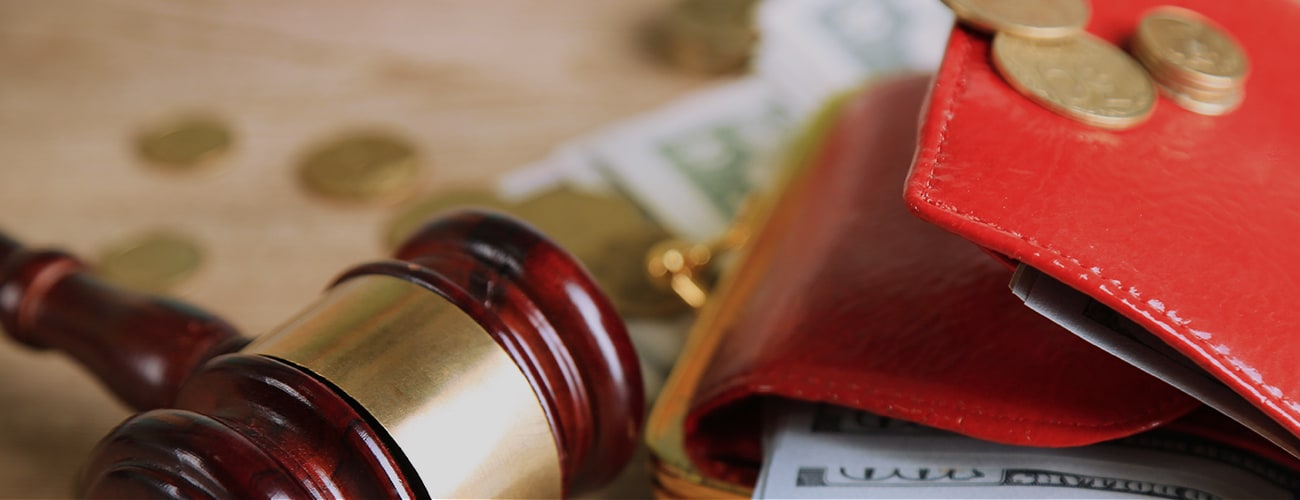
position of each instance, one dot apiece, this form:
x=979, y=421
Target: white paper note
x=823, y=451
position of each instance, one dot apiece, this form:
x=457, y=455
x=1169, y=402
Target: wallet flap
x=1186, y=223
x=859, y=303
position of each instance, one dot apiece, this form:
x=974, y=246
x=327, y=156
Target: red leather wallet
x=864, y=305
x=1185, y=224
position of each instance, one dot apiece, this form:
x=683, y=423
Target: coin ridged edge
x=1144, y=42
x=1209, y=107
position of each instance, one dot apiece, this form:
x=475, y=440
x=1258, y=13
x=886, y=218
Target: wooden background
x=481, y=87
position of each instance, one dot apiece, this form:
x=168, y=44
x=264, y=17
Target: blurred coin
x=152, y=263
x=1081, y=77
x=184, y=144
x=621, y=272
x=1204, y=105
x=414, y=215
x=705, y=36
x=360, y=168
x=1024, y=18
x=610, y=236
x=583, y=223
x=1196, y=64
x=1191, y=50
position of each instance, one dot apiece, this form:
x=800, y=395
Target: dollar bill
x=691, y=164
x=815, y=49
x=823, y=451
x=688, y=165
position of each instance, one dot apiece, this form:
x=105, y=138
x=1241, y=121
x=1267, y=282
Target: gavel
x=482, y=362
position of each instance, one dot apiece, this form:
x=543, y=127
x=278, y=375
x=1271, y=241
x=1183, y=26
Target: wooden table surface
x=480, y=87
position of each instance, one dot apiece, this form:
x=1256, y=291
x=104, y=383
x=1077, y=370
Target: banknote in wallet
x=846, y=297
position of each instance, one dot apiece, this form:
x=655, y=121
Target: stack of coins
x=1195, y=63
x=1040, y=48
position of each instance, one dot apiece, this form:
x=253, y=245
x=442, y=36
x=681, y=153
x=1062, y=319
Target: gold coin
x=184, y=144
x=361, y=168
x=1183, y=48
x=610, y=236
x=1202, y=104
x=152, y=263
x=706, y=36
x=1167, y=78
x=581, y=222
x=410, y=218
x=1080, y=77
x=1024, y=18
x=620, y=271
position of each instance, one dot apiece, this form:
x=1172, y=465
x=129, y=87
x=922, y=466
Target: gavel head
x=482, y=362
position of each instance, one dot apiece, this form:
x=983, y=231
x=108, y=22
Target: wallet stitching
x=1268, y=393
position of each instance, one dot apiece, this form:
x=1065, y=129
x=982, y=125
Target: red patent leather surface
x=864, y=305
x=1186, y=224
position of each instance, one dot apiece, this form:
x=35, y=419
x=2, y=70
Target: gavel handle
x=142, y=347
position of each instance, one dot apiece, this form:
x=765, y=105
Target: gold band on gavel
x=459, y=408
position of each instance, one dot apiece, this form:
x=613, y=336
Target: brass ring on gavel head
x=459, y=409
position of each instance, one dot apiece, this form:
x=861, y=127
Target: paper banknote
x=823, y=451
x=814, y=49
x=690, y=164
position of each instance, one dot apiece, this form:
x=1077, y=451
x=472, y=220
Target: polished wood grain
x=141, y=347
x=480, y=88
x=244, y=425
x=547, y=313
x=248, y=426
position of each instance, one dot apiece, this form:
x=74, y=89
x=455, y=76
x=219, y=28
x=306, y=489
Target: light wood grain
x=480, y=87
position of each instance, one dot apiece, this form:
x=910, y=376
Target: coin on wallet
x=1024, y=18
x=1081, y=77
x=1196, y=64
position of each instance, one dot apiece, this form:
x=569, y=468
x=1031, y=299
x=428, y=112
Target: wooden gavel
x=483, y=362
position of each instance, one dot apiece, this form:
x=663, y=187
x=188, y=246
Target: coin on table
x=706, y=36
x=153, y=263
x=1081, y=77
x=184, y=144
x=610, y=236
x=360, y=168
x=620, y=271
x=410, y=218
x=1024, y=18
x=582, y=222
